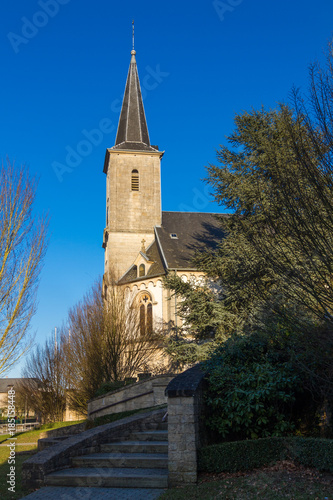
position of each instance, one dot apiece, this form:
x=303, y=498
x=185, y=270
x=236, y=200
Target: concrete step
x=163, y=426
x=131, y=460
x=74, y=493
x=150, y=436
x=109, y=478
x=135, y=447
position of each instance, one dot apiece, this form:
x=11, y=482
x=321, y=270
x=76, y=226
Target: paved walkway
x=77, y=493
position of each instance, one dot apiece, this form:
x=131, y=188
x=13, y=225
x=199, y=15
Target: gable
x=153, y=262
x=181, y=235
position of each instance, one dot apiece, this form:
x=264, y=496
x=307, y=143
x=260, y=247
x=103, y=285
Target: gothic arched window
x=146, y=313
x=135, y=180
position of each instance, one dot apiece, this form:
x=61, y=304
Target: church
x=141, y=242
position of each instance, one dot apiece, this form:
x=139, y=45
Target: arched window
x=135, y=180
x=142, y=270
x=149, y=321
x=146, y=313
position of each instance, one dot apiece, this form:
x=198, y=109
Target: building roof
x=182, y=234
x=132, y=131
x=5, y=382
x=156, y=269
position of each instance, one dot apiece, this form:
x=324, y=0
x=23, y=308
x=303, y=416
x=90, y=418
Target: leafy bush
x=246, y=455
x=252, y=402
x=253, y=389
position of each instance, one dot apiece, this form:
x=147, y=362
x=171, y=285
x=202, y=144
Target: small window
x=149, y=325
x=173, y=236
x=142, y=270
x=135, y=180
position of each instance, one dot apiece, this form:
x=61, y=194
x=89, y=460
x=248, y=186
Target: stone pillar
x=184, y=409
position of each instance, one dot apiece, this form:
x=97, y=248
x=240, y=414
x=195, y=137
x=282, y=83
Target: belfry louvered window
x=135, y=180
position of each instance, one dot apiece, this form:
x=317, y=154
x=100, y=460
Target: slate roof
x=195, y=231
x=132, y=131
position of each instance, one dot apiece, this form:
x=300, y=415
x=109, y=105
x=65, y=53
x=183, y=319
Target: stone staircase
x=139, y=462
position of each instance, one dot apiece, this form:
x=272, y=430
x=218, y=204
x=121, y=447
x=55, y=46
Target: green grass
x=274, y=484
x=21, y=454
x=33, y=436
x=56, y=425
x=113, y=417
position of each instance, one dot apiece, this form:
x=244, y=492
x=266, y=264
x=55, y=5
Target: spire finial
x=133, y=35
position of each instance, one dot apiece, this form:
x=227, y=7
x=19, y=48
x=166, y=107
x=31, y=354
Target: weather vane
x=133, y=32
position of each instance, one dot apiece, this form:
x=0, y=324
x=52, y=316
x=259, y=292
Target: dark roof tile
x=195, y=231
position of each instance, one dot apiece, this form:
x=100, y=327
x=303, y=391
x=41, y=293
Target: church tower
x=133, y=185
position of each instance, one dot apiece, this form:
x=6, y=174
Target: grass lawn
x=21, y=454
x=284, y=480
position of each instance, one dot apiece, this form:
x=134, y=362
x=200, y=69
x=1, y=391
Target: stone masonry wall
x=143, y=394
x=184, y=411
x=68, y=430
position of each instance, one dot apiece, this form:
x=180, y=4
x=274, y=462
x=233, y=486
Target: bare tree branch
x=22, y=249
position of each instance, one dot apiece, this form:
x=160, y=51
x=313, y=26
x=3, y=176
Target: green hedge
x=312, y=452
x=250, y=454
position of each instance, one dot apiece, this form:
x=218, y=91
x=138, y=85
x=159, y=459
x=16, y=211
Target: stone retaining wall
x=144, y=394
x=67, y=430
x=185, y=425
x=59, y=456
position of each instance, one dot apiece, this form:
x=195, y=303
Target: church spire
x=132, y=131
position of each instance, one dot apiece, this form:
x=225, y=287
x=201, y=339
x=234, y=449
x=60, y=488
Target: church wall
x=131, y=215
x=155, y=288
x=122, y=249
x=164, y=304
x=129, y=210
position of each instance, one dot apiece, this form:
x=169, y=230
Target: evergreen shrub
x=250, y=454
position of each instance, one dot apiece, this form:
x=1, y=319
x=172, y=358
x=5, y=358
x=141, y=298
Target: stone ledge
x=145, y=393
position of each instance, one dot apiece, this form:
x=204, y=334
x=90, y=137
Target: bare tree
x=22, y=248
x=47, y=397
x=105, y=343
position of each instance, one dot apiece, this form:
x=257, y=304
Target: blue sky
x=64, y=66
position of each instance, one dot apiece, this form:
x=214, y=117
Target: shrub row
x=250, y=454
